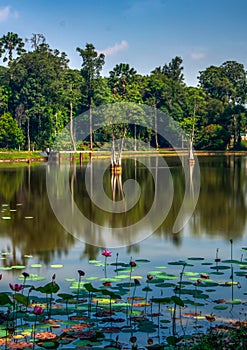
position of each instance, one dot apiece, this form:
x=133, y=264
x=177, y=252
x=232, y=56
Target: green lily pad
x=238, y=262
x=56, y=266
x=196, y=258
x=220, y=267
x=188, y=273
x=165, y=285
x=221, y=307
x=36, y=265
x=112, y=279
x=92, y=278
x=234, y=302
x=206, y=263
x=67, y=279
x=122, y=277
x=178, y=263
x=143, y=260
x=6, y=217
x=170, y=277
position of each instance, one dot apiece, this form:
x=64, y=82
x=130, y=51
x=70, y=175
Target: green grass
x=16, y=155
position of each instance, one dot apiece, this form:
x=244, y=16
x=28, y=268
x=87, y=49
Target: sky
x=144, y=33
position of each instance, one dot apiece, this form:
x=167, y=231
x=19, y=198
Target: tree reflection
x=33, y=228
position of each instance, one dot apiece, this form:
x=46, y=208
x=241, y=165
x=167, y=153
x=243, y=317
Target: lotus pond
x=163, y=292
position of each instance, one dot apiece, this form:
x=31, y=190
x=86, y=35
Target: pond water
x=33, y=240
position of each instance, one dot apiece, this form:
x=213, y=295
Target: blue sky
x=143, y=33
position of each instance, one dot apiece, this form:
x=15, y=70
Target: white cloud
x=197, y=55
x=4, y=13
x=116, y=48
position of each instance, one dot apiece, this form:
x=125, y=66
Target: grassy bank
x=28, y=156
x=20, y=156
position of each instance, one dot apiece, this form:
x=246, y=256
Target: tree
x=9, y=44
x=71, y=94
x=174, y=69
x=35, y=77
x=120, y=78
x=11, y=135
x=228, y=84
x=92, y=64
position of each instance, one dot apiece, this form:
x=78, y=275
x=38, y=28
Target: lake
x=33, y=240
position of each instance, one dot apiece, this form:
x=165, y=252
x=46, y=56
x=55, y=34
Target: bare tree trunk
x=71, y=126
x=113, y=157
x=90, y=126
x=28, y=134
x=155, y=128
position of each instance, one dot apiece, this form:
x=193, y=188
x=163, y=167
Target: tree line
x=40, y=94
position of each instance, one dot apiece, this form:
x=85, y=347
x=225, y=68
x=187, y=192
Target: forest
x=40, y=94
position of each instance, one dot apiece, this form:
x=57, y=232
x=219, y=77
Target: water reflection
x=34, y=229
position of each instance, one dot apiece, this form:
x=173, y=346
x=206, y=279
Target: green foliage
x=49, y=288
x=42, y=94
x=11, y=135
x=21, y=299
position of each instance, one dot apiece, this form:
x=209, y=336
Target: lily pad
x=221, y=307
x=36, y=265
x=143, y=260
x=56, y=266
x=220, y=267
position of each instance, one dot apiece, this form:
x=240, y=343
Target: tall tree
x=92, y=64
x=9, y=44
x=34, y=85
x=70, y=91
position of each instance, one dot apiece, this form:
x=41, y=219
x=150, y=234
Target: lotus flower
x=38, y=310
x=106, y=253
x=16, y=287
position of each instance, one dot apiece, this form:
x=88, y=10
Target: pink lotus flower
x=16, y=287
x=38, y=310
x=106, y=253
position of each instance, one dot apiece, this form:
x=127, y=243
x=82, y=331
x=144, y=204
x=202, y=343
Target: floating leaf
x=220, y=267
x=188, y=273
x=28, y=217
x=238, y=262
x=6, y=217
x=142, y=260
x=235, y=302
x=56, y=266
x=18, y=267
x=206, y=263
x=196, y=258
x=178, y=301
x=178, y=263
x=220, y=307
x=36, y=265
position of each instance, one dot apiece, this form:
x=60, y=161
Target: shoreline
x=101, y=154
